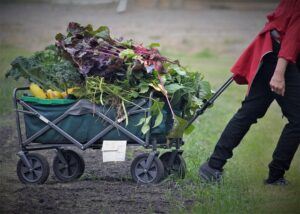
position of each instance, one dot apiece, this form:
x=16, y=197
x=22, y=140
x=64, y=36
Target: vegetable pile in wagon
x=89, y=89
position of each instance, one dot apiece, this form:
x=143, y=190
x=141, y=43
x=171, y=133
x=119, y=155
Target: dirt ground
x=108, y=188
x=104, y=187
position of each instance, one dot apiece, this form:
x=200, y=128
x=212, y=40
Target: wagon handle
x=15, y=92
x=211, y=101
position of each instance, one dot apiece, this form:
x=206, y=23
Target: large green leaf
x=145, y=128
x=146, y=125
x=205, y=90
x=158, y=119
x=175, y=68
x=144, y=87
x=172, y=88
x=189, y=129
x=179, y=126
x=127, y=54
x=156, y=112
x=103, y=33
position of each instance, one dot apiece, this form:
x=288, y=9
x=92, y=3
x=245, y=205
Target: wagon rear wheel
x=177, y=168
x=71, y=169
x=39, y=172
x=141, y=174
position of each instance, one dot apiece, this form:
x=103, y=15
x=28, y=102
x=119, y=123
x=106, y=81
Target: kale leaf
x=47, y=69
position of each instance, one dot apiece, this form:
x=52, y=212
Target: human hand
x=277, y=82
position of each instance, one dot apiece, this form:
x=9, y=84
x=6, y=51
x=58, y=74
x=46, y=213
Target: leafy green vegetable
x=178, y=129
x=158, y=119
x=156, y=111
x=172, y=88
x=93, y=52
x=47, y=69
x=103, y=33
x=154, y=45
x=127, y=43
x=117, y=72
x=146, y=125
x=127, y=54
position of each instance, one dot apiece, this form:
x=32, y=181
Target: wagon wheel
x=39, y=172
x=72, y=169
x=140, y=174
x=178, y=168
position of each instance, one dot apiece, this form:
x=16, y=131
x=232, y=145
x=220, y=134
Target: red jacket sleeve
x=290, y=44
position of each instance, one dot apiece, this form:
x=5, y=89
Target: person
x=271, y=68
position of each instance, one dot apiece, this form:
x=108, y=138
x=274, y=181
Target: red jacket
x=286, y=20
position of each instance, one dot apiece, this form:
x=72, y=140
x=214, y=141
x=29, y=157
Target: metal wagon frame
x=34, y=169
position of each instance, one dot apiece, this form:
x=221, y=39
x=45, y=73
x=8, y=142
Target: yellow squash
x=69, y=91
x=57, y=95
x=54, y=94
x=37, y=91
x=64, y=94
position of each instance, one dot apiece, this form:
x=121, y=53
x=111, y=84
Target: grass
x=242, y=190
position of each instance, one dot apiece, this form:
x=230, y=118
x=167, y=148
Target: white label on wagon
x=113, y=150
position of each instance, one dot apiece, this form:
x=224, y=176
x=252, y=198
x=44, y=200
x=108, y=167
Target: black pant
x=255, y=106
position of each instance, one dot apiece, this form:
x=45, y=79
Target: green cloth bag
x=84, y=126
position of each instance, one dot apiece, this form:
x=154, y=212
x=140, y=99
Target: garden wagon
x=54, y=124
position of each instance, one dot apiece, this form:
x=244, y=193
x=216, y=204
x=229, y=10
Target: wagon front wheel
x=146, y=175
x=68, y=167
x=39, y=172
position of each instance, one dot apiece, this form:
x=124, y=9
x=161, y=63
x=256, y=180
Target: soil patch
x=103, y=188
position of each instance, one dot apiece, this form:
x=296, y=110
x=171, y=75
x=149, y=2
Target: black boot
x=277, y=182
x=210, y=174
